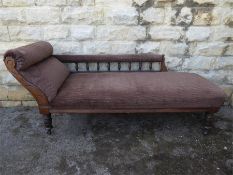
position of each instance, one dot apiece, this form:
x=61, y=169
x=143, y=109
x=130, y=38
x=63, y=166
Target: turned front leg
x=48, y=123
x=208, y=123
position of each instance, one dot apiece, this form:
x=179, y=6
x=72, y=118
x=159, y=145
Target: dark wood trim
x=110, y=58
x=41, y=98
x=178, y=110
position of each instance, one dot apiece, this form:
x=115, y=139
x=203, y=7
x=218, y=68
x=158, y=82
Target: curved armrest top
x=29, y=55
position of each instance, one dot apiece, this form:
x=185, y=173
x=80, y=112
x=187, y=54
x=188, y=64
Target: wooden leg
x=48, y=123
x=208, y=123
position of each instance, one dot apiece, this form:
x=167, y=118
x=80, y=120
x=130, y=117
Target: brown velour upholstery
x=47, y=75
x=28, y=55
x=140, y=90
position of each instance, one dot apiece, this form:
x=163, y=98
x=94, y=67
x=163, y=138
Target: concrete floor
x=137, y=144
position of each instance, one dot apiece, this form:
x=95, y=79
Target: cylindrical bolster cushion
x=30, y=54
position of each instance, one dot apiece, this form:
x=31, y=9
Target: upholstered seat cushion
x=140, y=90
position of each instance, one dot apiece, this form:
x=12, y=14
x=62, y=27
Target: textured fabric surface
x=28, y=55
x=138, y=90
x=110, y=58
x=47, y=75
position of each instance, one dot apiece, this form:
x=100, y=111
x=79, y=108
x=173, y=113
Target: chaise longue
x=135, y=90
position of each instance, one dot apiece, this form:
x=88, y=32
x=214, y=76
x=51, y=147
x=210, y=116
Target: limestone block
x=207, y=16
x=221, y=33
x=209, y=49
x=2, y=65
x=4, y=34
x=229, y=50
x=226, y=3
x=224, y=63
x=119, y=33
x=16, y=93
x=228, y=17
x=66, y=47
x=25, y=33
x=228, y=76
x=198, y=63
x=219, y=13
x=82, y=32
x=153, y=15
x=113, y=3
x=11, y=16
x=83, y=15
x=103, y=47
x=89, y=47
x=88, y=2
x=42, y=15
x=74, y=2
x=50, y=3
x=180, y=2
x=148, y=47
x=220, y=76
x=17, y=3
x=173, y=49
x=170, y=14
x=3, y=92
x=140, y=2
x=198, y=33
x=122, y=16
x=228, y=89
x=205, y=1
x=81, y=2
x=123, y=47
x=165, y=0
x=109, y=47
x=29, y=103
x=10, y=103
x=7, y=79
x=55, y=32
x=173, y=63
x=165, y=33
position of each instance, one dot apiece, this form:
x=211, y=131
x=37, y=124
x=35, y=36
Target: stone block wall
x=195, y=35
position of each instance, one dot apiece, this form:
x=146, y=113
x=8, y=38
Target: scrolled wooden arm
x=40, y=97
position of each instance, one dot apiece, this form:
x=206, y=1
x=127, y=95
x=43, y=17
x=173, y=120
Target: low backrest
x=37, y=65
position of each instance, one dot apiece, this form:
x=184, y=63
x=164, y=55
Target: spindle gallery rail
x=119, y=63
